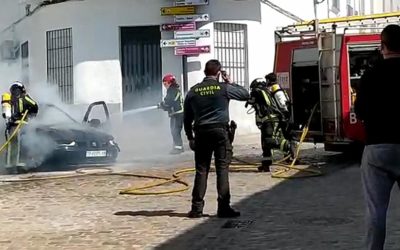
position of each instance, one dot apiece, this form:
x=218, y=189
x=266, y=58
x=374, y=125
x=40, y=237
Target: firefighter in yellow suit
x=21, y=102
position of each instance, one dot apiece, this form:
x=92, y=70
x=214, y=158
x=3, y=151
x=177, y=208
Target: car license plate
x=102, y=153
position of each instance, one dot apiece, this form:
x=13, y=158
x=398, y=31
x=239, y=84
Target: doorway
x=141, y=66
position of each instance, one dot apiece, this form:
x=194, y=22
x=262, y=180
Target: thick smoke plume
x=140, y=136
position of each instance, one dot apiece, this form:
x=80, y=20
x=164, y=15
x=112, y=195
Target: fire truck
x=320, y=63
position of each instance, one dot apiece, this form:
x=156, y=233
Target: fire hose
x=177, y=175
x=16, y=130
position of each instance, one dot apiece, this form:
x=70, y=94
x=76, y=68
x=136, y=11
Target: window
x=230, y=45
x=25, y=62
x=59, y=62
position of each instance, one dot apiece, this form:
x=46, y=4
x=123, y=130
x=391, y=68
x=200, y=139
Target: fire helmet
x=169, y=78
x=17, y=88
x=258, y=83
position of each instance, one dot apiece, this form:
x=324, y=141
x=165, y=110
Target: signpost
x=193, y=18
x=178, y=26
x=189, y=51
x=177, y=43
x=185, y=32
x=191, y=34
x=178, y=10
x=191, y=2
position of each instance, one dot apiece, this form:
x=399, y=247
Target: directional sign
x=192, y=18
x=191, y=2
x=191, y=34
x=178, y=26
x=177, y=43
x=189, y=51
x=178, y=10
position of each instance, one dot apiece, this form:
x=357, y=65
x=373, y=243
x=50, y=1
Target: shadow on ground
x=314, y=213
x=155, y=213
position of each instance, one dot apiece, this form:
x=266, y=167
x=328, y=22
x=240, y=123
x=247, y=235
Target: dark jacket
x=173, y=101
x=377, y=103
x=21, y=104
x=208, y=103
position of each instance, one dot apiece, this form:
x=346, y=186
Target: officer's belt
x=211, y=126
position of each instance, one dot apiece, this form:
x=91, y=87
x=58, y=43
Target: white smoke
x=140, y=135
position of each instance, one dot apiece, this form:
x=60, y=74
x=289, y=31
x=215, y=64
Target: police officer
x=173, y=103
x=207, y=105
x=21, y=102
x=269, y=119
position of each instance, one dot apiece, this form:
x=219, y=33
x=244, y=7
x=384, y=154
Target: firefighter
x=173, y=103
x=21, y=102
x=282, y=100
x=207, y=106
x=269, y=119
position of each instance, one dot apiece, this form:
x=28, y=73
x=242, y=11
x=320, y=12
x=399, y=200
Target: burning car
x=55, y=138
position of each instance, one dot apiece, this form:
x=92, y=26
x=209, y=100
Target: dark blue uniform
x=206, y=113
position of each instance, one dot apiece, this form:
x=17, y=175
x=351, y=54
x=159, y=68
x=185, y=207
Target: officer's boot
x=265, y=164
x=226, y=211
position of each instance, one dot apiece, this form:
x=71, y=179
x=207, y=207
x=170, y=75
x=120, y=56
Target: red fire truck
x=321, y=62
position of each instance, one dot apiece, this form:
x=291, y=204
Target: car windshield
x=50, y=114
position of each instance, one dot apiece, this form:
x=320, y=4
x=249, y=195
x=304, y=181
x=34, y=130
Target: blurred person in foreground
x=380, y=166
x=207, y=106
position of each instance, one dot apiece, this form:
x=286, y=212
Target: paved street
x=88, y=213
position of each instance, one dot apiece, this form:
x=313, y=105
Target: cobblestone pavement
x=88, y=213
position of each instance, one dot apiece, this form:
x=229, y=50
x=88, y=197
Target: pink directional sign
x=187, y=51
x=178, y=26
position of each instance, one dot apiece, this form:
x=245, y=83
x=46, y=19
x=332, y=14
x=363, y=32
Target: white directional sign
x=177, y=43
x=191, y=34
x=191, y=2
x=192, y=18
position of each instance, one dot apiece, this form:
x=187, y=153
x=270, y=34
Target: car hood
x=68, y=133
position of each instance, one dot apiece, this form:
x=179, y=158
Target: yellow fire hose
x=234, y=168
x=15, y=132
x=176, y=176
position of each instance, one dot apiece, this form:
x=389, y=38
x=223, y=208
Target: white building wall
x=96, y=46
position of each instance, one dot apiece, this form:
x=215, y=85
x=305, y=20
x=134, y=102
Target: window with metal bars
x=60, y=63
x=230, y=44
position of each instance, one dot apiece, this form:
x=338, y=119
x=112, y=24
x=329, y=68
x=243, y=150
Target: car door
x=98, y=118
